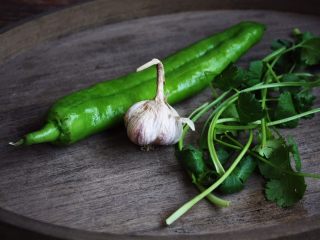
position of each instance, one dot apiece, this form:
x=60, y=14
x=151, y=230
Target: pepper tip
x=16, y=144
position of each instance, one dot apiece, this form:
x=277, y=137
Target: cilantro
x=280, y=158
x=293, y=149
x=287, y=60
x=192, y=159
x=302, y=36
x=231, y=112
x=303, y=101
x=269, y=147
x=232, y=184
x=285, y=191
x=284, y=109
x=223, y=156
x=283, y=188
x=249, y=108
x=236, y=180
x=273, y=92
x=310, y=52
x=290, y=77
x=279, y=43
x=231, y=77
x=255, y=73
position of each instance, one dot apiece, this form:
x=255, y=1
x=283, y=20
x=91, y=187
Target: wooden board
x=104, y=185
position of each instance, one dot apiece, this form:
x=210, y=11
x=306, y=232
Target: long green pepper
x=188, y=71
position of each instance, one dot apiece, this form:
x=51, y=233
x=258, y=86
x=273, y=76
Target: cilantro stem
x=292, y=68
x=212, y=114
x=237, y=127
x=225, y=104
x=193, y=117
x=264, y=97
x=300, y=115
x=263, y=106
x=227, y=144
x=197, y=110
x=222, y=120
x=282, y=84
x=264, y=132
x=257, y=123
x=212, y=198
x=196, y=114
x=239, y=146
x=274, y=54
x=273, y=74
x=281, y=51
x=187, y=206
x=304, y=74
x=299, y=74
x=213, y=153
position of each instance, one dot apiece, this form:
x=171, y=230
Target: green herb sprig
x=273, y=92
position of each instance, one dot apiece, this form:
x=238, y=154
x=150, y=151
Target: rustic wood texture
x=104, y=184
x=14, y=11
x=99, y=12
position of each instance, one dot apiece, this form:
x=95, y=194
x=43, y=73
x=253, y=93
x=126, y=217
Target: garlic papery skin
x=155, y=122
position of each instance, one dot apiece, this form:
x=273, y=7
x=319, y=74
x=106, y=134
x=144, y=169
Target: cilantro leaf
x=310, y=52
x=290, y=77
x=269, y=147
x=200, y=169
x=192, y=159
x=285, y=108
x=293, y=148
x=232, y=184
x=206, y=178
x=304, y=101
x=286, y=61
x=285, y=191
x=236, y=180
x=231, y=77
x=223, y=156
x=279, y=43
x=302, y=36
x=249, y=108
x=255, y=73
x=231, y=112
x=280, y=158
x=283, y=188
x=245, y=168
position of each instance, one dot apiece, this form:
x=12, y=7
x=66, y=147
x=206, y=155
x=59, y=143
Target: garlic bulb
x=155, y=122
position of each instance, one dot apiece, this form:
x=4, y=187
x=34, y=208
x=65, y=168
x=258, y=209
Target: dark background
x=14, y=11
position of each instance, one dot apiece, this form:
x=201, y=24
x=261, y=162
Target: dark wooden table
x=13, y=12
x=103, y=185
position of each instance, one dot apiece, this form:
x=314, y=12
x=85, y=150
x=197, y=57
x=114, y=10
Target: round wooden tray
x=104, y=187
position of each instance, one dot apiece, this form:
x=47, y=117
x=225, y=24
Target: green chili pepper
x=99, y=107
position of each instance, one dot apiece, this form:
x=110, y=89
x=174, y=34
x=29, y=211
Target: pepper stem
x=160, y=77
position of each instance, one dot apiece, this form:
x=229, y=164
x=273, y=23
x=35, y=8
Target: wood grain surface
x=15, y=11
x=104, y=184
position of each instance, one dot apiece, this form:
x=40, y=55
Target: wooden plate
x=104, y=186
